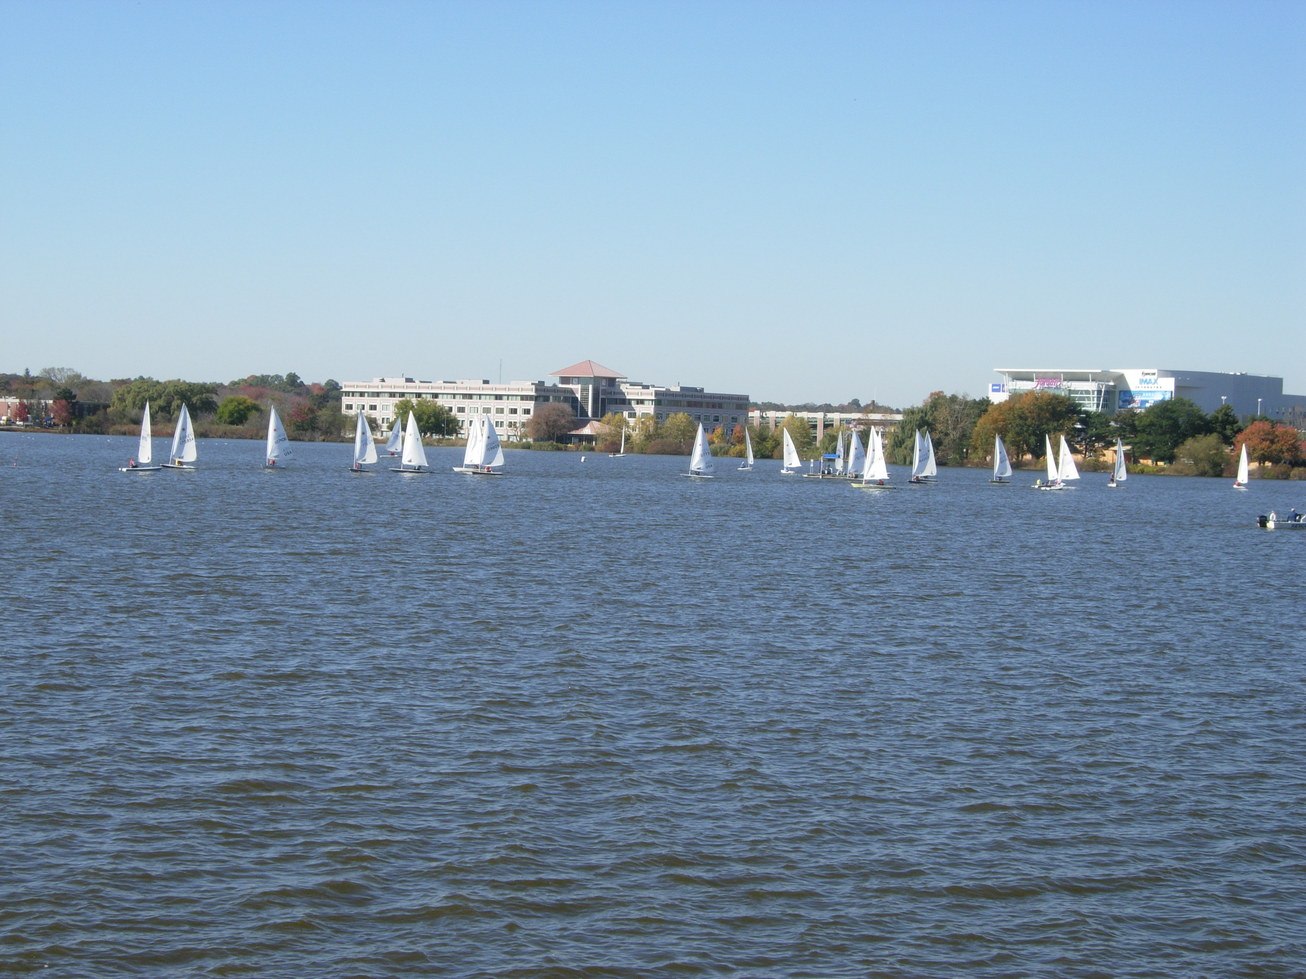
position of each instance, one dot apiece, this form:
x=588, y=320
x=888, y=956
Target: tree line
x=62, y=398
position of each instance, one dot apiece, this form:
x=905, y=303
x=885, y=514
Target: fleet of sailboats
x=182, y=453
x=484, y=454
x=142, y=461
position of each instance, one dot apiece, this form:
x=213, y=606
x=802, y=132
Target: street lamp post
x=1258, y=407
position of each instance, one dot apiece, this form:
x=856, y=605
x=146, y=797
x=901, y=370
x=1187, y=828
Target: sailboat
x=621, y=452
x=856, y=456
x=364, y=446
x=1121, y=472
x=413, y=460
x=839, y=456
x=278, y=445
x=182, y=453
x=875, y=474
x=700, y=461
x=792, y=464
x=1240, y=483
x=923, y=468
x=1062, y=470
x=1001, y=464
x=483, y=451
x=1051, y=461
x=747, y=464
x=144, y=448
x=394, y=444
x=1066, y=469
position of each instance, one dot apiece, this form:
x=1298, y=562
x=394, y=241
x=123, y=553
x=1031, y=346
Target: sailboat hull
x=139, y=469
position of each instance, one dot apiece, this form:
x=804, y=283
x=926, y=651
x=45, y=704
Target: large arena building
x=1124, y=388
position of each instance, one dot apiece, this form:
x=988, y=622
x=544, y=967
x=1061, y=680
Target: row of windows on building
x=383, y=413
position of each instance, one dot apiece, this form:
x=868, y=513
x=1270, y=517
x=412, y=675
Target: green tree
x=801, y=434
x=1093, y=433
x=551, y=422
x=614, y=423
x=1166, y=425
x=680, y=429
x=642, y=432
x=434, y=418
x=235, y=410
x=1201, y=455
x=1224, y=423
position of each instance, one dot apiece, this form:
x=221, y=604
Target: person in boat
x=272, y=462
x=131, y=463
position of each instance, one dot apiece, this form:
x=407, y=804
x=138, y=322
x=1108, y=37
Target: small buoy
x=582, y=458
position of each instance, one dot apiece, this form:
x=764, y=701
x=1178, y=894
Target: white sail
x=491, y=449
x=1066, y=470
x=875, y=473
x=700, y=462
x=414, y=453
x=838, y=454
x=856, y=455
x=145, y=447
x=394, y=444
x=621, y=451
x=916, y=455
x=748, y=451
x=364, y=444
x=1243, y=469
x=1051, y=459
x=475, y=437
x=1121, y=472
x=484, y=451
x=183, y=442
x=929, y=470
x=876, y=469
x=1001, y=463
x=792, y=463
x=278, y=445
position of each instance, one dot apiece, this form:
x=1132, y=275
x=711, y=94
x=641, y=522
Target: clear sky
x=803, y=201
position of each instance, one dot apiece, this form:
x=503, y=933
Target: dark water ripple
x=595, y=720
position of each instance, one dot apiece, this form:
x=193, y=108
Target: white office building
x=1119, y=389
x=589, y=389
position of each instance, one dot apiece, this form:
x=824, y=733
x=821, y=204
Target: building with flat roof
x=820, y=421
x=589, y=389
x=1118, y=389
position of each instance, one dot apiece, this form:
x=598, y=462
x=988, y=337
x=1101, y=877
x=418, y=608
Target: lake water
x=593, y=719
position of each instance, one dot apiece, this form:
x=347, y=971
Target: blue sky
x=801, y=200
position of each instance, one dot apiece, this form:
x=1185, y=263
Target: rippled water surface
x=593, y=719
